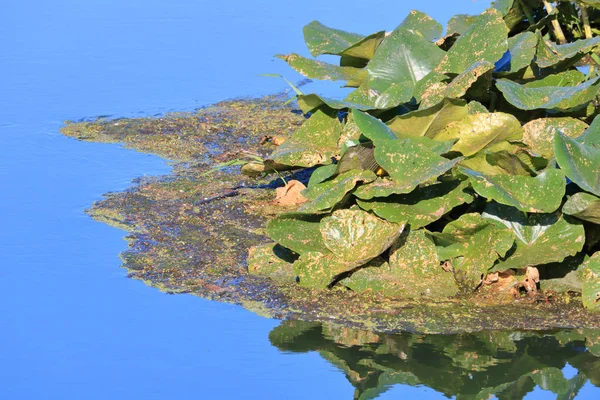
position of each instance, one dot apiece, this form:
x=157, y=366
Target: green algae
x=190, y=233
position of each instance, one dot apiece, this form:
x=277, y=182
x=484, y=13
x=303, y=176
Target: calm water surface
x=73, y=326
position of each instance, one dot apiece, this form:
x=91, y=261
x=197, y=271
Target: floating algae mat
x=190, y=232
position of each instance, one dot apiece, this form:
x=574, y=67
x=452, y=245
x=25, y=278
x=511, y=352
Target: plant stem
x=527, y=11
x=556, y=29
x=586, y=22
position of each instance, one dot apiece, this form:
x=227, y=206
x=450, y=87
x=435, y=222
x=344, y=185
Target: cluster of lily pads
x=455, y=157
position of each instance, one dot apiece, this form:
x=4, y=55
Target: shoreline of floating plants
x=456, y=161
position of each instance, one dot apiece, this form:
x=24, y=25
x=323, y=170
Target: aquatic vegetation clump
x=190, y=232
x=468, y=163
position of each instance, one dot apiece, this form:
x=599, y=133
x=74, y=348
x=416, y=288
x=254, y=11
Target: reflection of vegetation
x=470, y=366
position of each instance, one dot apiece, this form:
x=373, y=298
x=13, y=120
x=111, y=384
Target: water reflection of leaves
x=505, y=364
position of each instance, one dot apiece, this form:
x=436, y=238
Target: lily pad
x=273, y=261
x=318, y=270
x=413, y=271
x=579, y=162
x=423, y=24
x=472, y=244
x=321, y=39
x=539, y=133
x=550, y=53
x=484, y=40
x=321, y=174
x=459, y=85
x=542, y=194
x=372, y=127
x=402, y=59
x=314, y=143
x=591, y=283
x=540, y=238
x=430, y=89
x=409, y=163
x=522, y=48
x=327, y=194
x=422, y=206
x=298, y=232
x=478, y=131
x=584, y=206
x=356, y=237
x=560, y=98
x=591, y=136
x=315, y=69
x=311, y=102
x=429, y=122
x=460, y=23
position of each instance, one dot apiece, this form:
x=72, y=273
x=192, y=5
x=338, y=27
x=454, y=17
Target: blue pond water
x=72, y=325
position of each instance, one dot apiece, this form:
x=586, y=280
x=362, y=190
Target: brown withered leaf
x=290, y=194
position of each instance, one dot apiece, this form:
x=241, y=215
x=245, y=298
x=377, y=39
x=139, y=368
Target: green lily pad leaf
x=362, y=50
x=584, y=206
x=478, y=131
x=460, y=23
x=505, y=158
x=315, y=69
x=472, y=244
x=409, y=163
x=484, y=40
x=327, y=194
x=321, y=174
x=314, y=143
x=522, y=48
x=298, y=232
x=459, y=85
x=422, y=206
x=579, y=162
x=429, y=85
x=414, y=271
x=355, y=237
x=503, y=6
x=311, y=102
x=540, y=238
x=423, y=24
x=321, y=39
x=372, y=127
x=550, y=54
x=361, y=157
x=539, y=133
x=438, y=147
x=318, y=270
x=273, y=261
x=565, y=78
x=552, y=379
x=433, y=95
x=548, y=97
x=475, y=107
x=591, y=137
x=540, y=194
x=382, y=187
x=391, y=96
x=571, y=282
x=429, y=122
x=402, y=59
x=590, y=293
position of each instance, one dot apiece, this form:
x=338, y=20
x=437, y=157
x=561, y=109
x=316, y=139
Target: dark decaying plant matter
x=458, y=161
